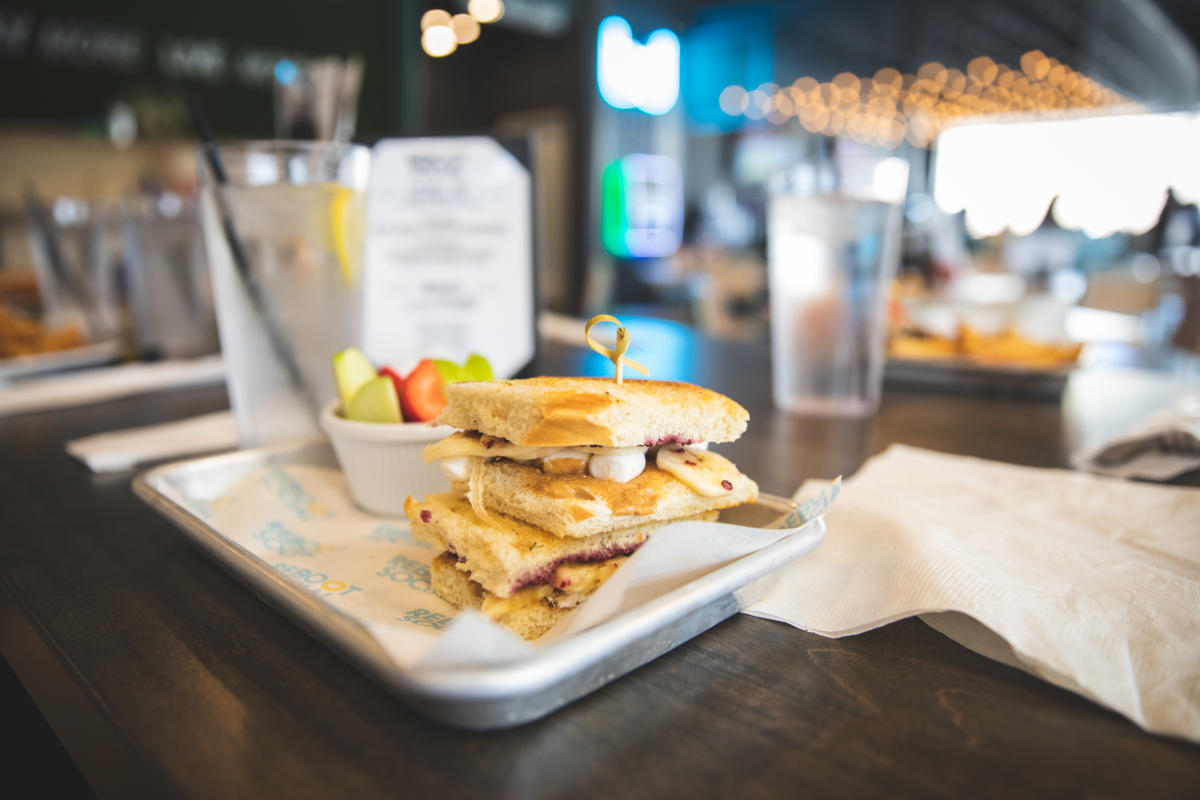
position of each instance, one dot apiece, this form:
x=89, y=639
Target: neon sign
x=635, y=75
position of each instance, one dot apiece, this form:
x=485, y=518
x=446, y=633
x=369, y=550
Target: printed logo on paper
x=293, y=495
x=425, y=618
x=277, y=538
x=319, y=583
x=813, y=507
x=402, y=569
x=390, y=534
x=206, y=508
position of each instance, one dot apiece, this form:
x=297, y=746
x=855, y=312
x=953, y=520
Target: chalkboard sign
x=68, y=62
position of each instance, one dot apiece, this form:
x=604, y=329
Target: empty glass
x=833, y=244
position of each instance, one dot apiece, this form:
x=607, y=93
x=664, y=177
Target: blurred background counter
x=652, y=129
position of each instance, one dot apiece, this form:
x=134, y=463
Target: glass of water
x=284, y=235
x=833, y=245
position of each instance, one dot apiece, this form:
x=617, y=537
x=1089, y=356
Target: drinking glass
x=833, y=243
x=167, y=276
x=283, y=233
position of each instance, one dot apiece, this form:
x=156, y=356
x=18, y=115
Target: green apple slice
x=450, y=372
x=351, y=370
x=376, y=401
x=477, y=368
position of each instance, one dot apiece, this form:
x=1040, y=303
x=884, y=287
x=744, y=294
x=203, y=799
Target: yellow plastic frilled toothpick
x=617, y=354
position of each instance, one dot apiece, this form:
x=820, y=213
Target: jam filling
x=673, y=438
x=545, y=573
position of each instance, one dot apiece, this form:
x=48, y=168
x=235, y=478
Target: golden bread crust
x=578, y=505
x=455, y=587
x=503, y=554
x=569, y=412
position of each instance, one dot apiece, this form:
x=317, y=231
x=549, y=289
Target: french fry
x=20, y=336
x=1007, y=348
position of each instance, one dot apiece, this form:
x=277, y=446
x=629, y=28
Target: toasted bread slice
x=569, y=412
x=505, y=555
x=578, y=505
x=528, y=615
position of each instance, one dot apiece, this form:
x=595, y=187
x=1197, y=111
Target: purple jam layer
x=673, y=438
x=546, y=572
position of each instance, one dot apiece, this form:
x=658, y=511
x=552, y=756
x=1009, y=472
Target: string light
x=438, y=41
x=890, y=107
x=486, y=10
x=465, y=27
x=442, y=33
x=435, y=16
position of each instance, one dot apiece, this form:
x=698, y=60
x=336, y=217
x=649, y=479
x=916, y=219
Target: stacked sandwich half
x=555, y=481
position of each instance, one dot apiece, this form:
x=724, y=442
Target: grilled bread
x=569, y=412
x=529, y=615
x=578, y=505
x=504, y=555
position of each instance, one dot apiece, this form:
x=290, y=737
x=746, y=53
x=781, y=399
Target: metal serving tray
x=495, y=696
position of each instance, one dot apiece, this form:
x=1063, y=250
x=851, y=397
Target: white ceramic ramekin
x=382, y=462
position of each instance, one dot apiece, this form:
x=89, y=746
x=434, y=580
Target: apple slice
x=376, y=401
x=424, y=396
x=477, y=368
x=396, y=377
x=351, y=370
x=450, y=372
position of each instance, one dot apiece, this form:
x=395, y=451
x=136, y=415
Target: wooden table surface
x=162, y=675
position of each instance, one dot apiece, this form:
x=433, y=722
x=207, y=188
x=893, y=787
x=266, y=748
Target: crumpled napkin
x=1164, y=445
x=126, y=449
x=1093, y=583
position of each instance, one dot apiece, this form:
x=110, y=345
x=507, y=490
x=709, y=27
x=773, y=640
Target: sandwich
x=556, y=481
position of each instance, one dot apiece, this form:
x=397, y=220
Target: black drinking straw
x=275, y=337
x=64, y=274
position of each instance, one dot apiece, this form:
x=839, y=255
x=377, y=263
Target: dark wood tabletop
x=163, y=675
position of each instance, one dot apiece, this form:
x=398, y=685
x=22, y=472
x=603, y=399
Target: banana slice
x=462, y=443
x=564, y=462
x=707, y=473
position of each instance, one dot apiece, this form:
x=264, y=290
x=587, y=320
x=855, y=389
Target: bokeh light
x=438, y=41
x=889, y=107
x=486, y=10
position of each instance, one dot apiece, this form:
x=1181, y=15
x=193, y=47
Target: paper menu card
x=1093, y=582
x=448, y=262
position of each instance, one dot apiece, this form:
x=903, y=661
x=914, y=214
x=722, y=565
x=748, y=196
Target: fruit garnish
x=376, y=401
x=396, y=377
x=347, y=224
x=423, y=398
x=450, y=372
x=617, y=354
x=477, y=368
x=351, y=370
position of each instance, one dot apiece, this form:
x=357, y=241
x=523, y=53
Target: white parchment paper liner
x=300, y=520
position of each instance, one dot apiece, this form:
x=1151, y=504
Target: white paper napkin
x=1093, y=583
x=126, y=449
x=1160, y=447
x=107, y=383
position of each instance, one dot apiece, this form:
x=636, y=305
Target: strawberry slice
x=423, y=397
x=397, y=379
